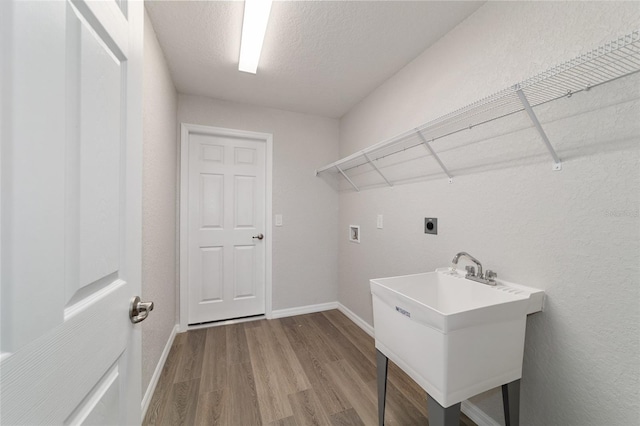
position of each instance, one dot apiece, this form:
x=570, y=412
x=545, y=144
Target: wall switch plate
x=379, y=221
x=431, y=225
x=278, y=220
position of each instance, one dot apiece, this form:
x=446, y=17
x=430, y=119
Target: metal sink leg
x=511, y=403
x=440, y=416
x=382, y=362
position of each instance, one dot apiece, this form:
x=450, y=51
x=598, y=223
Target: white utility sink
x=455, y=337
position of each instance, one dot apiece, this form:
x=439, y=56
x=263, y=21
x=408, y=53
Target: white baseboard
x=477, y=415
x=156, y=374
x=355, y=318
x=471, y=410
x=301, y=310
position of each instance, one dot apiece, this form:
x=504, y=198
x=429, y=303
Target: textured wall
x=574, y=233
x=158, y=203
x=304, y=249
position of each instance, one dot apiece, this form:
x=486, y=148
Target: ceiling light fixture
x=254, y=27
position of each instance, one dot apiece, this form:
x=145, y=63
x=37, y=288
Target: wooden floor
x=315, y=369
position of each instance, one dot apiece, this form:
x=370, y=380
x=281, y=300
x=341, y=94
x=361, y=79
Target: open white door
x=70, y=211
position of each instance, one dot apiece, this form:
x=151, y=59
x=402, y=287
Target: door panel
x=212, y=200
x=226, y=209
x=244, y=274
x=95, y=125
x=244, y=195
x=70, y=207
x=212, y=279
x=245, y=156
x=214, y=153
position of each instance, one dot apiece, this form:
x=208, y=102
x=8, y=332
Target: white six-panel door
x=226, y=226
x=70, y=211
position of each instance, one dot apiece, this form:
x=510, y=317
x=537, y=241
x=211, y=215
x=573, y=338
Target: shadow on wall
x=606, y=117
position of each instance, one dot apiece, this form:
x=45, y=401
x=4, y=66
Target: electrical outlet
x=379, y=221
x=431, y=225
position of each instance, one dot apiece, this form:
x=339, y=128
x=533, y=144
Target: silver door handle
x=138, y=310
x=259, y=236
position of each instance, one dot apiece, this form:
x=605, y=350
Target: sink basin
x=453, y=336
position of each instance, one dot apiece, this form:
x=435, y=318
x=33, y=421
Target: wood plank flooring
x=315, y=369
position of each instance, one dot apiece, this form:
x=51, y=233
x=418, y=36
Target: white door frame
x=185, y=130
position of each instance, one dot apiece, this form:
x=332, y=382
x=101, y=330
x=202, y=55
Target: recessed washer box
x=354, y=233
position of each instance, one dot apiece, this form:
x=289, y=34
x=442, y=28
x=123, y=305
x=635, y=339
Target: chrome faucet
x=488, y=278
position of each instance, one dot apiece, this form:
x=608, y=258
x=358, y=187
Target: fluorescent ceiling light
x=254, y=26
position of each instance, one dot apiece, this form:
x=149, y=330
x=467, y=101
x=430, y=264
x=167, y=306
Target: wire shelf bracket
x=435, y=156
x=347, y=178
x=557, y=163
x=610, y=61
x=377, y=169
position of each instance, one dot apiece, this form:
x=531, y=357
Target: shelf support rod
x=557, y=163
x=347, y=178
x=442, y=166
x=377, y=169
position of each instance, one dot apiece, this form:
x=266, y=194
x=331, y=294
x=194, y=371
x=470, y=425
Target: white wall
x=158, y=203
x=305, y=248
x=574, y=233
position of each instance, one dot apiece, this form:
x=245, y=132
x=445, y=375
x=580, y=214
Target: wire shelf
x=609, y=62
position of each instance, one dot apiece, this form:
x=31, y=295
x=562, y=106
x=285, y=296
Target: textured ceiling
x=319, y=57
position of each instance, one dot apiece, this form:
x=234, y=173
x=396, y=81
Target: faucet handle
x=470, y=270
x=491, y=275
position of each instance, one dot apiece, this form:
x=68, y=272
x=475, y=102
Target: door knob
x=138, y=310
x=259, y=236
